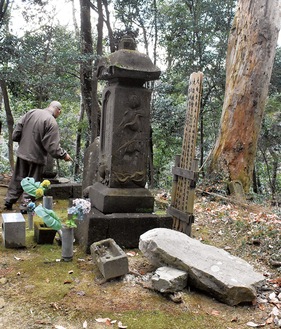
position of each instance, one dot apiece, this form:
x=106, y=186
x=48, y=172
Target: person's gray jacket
x=38, y=134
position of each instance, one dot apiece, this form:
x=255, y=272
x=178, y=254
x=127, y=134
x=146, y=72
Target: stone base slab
x=124, y=228
x=65, y=191
x=120, y=200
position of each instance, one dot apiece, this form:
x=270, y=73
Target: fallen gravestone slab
x=228, y=278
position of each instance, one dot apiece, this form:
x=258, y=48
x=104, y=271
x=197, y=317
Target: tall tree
x=88, y=79
x=193, y=37
x=86, y=69
x=4, y=4
x=250, y=57
x=41, y=65
x=268, y=157
x=10, y=121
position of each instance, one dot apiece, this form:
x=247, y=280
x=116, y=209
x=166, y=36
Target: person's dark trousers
x=23, y=169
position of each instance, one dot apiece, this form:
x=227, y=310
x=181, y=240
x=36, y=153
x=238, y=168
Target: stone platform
x=118, y=200
x=124, y=228
x=65, y=190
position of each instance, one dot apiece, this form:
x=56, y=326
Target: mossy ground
x=40, y=291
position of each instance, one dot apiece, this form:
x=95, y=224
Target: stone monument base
x=124, y=228
x=65, y=191
x=120, y=200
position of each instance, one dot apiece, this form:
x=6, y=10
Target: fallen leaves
x=131, y=253
x=255, y=325
x=215, y=313
x=121, y=326
x=109, y=322
x=276, y=281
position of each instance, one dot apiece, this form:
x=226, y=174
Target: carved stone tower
x=122, y=207
x=125, y=132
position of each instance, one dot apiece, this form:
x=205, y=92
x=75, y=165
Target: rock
x=228, y=278
x=167, y=279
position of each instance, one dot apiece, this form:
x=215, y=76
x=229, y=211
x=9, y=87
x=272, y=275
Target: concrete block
x=110, y=258
x=13, y=230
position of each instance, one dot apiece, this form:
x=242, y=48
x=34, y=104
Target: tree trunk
x=250, y=56
x=86, y=64
x=99, y=50
x=4, y=4
x=112, y=44
x=78, y=145
x=10, y=122
x=75, y=24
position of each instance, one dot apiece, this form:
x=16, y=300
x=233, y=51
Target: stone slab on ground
x=228, y=278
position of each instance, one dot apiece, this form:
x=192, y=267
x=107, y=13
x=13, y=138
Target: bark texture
x=250, y=57
x=86, y=65
x=10, y=121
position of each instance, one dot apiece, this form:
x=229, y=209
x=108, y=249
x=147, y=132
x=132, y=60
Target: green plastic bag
x=49, y=217
x=30, y=186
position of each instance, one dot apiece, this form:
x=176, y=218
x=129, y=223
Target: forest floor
x=37, y=290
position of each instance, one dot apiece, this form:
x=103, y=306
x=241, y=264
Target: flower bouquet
x=78, y=209
x=65, y=228
x=35, y=189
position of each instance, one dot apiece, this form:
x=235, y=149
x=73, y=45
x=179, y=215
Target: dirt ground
x=37, y=290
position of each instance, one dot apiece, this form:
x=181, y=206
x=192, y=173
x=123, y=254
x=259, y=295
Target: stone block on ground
x=110, y=258
x=228, y=278
x=13, y=230
x=168, y=280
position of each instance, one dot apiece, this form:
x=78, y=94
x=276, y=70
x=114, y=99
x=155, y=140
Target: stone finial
x=127, y=42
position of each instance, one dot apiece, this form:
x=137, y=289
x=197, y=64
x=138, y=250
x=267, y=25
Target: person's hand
x=67, y=158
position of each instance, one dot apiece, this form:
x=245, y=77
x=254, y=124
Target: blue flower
x=30, y=207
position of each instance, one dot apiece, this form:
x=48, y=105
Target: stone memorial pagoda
x=122, y=205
